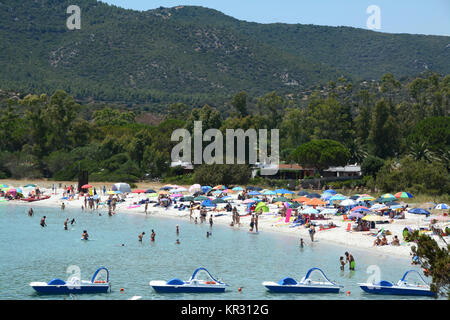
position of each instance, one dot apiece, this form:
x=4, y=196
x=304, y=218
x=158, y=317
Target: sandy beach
x=268, y=222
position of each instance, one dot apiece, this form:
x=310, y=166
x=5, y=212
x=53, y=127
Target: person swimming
x=72, y=221
x=178, y=241
x=85, y=235
x=43, y=224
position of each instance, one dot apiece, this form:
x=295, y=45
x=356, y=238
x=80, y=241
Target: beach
x=268, y=222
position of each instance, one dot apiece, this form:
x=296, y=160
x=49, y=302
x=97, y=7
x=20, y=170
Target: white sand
x=267, y=223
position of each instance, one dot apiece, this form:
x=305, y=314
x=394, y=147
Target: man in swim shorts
x=351, y=261
x=43, y=224
x=141, y=236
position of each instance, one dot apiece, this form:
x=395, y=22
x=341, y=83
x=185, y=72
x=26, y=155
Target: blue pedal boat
x=76, y=285
x=306, y=285
x=401, y=288
x=194, y=284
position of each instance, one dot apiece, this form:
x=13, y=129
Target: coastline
x=267, y=223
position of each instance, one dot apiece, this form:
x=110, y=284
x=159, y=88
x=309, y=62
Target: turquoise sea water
x=30, y=253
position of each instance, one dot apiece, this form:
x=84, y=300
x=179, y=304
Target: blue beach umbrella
x=237, y=189
x=330, y=191
x=419, y=211
x=254, y=193
x=442, y=206
x=302, y=193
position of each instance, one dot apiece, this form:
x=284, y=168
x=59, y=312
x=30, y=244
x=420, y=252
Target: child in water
x=342, y=263
x=85, y=235
x=152, y=236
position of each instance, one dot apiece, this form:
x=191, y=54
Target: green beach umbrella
x=201, y=198
x=30, y=185
x=280, y=199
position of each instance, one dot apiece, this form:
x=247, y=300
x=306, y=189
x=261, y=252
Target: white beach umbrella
x=348, y=202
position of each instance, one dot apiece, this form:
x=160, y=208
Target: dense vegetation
x=192, y=55
x=399, y=132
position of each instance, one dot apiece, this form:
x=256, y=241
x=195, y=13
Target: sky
x=396, y=16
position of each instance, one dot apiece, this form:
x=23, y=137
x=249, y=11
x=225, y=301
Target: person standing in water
x=312, y=231
x=211, y=221
x=152, y=236
x=302, y=244
x=141, y=236
x=351, y=261
x=63, y=206
x=341, y=260
x=30, y=212
x=256, y=222
x=146, y=207
x=43, y=224
x=177, y=229
x=65, y=223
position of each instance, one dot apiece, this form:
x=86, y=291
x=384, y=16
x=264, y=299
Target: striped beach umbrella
x=403, y=195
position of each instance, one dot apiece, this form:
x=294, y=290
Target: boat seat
x=56, y=282
x=175, y=281
x=384, y=283
x=287, y=281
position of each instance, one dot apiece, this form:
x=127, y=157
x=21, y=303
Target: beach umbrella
x=253, y=188
x=313, y=195
x=219, y=187
x=329, y=211
x=86, y=186
x=217, y=192
x=205, y=189
x=302, y=193
x=248, y=201
x=201, y=198
x=294, y=205
x=254, y=193
x=218, y=200
x=226, y=198
x=283, y=191
x=269, y=193
x=388, y=196
x=419, y=211
x=355, y=214
x=354, y=197
x=392, y=203
x=195, y=187
x=187, y=198
x=365, y=198
x=110, y=192
x=372, y=217
x=315, y=202
x=338, y=197
x=165, y=188
x=360, y=209
x=442, y=206
x=237, y=189
x=403, y=195
x=378, y=206
x=181, y=189
x=330, y=191
x=310, y=211
x=256, y=199
x=152, y=195
x=139, y=191
x=227, y=191
x=3, y=186
x=347, y=203
x=326, y=196
x=281, y=199
x=301, y=199
x=118, y=192
x=177, y=195
x=163, y=192
x=396, y=207
x=29, y=185
x=150, y=191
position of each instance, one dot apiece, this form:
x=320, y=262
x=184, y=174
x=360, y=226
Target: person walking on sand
x=43, y=224
x=350, y=260
x=65, y=223
x=141, y=236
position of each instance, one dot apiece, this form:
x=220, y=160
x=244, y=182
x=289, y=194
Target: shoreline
x=267, y=223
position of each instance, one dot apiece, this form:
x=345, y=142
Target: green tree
x=239, y=102
x=321, y=154
x=383, y=136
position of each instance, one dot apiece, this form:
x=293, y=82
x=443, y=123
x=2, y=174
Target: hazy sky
x=397, y=16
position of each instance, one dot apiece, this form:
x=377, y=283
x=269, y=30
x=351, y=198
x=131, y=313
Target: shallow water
x=29, y=253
